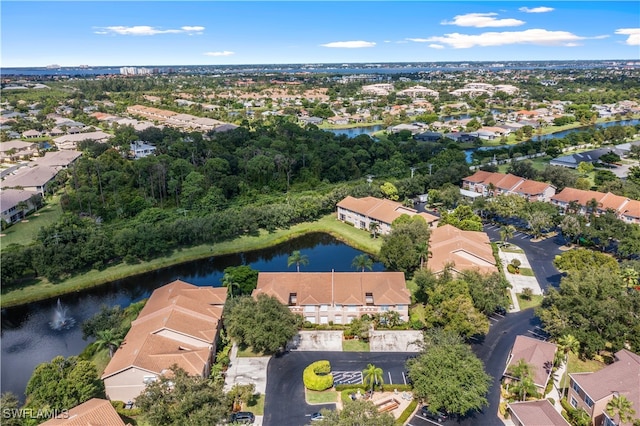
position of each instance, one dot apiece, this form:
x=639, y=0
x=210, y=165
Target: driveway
x=285, y=403
x=494, y=348
x=395, y=341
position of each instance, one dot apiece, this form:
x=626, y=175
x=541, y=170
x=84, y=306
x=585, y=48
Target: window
x=607, y=421
x=368, y=298
x=384, y=308
x=324, y=308
x=574, y=403
x=311, y=319
x=309, y=308
x=588, y=401
x=293, y=298
x=337, y=319
x=324, y=320
x=575, y=387
x=149, y=379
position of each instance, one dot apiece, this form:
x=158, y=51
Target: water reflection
x=28, y=340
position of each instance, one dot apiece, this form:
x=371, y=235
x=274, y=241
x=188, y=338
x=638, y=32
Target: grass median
x=41, y=289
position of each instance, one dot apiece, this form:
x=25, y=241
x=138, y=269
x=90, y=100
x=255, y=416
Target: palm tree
x=506, y=232
x=620, y=406
x=629, y=277
x=373, y=227
x=108, y=339
x=525, y=387
x=372, y=376
x=422, y=249
x=298, y=259
x=362, y=261
x=230, y=284
x=568, y=343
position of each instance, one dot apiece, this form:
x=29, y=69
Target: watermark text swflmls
x=32, y=413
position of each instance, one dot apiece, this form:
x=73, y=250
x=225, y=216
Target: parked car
x=244, y=417
x=435, y=416
x=315, y=417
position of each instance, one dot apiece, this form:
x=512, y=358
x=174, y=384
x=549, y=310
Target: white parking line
x=390, y=381
x=525, y=236
x=404, y=378
x=425, y=419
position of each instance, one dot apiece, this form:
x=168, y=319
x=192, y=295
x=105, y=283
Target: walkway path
x=518, y=282
x=247, y=370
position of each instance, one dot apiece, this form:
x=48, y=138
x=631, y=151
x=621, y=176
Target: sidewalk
x=518, y=282
x=247, y=370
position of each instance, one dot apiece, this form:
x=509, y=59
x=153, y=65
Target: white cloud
x=633, y=33
x=541, y=9
x=436, y=46
x=533, y=36
x=349, y=44
x=223, y=53
x=146, y=30
x=482, y=20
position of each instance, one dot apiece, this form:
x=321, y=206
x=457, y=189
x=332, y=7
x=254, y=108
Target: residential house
x=592, y=391
x=490, y=184
x=15, y=150
x=71, y=141
x=361, y=212
x=338, y=120
x=179, y=324
x=418, y=91
x=535, y=413
x=538, y=354
x=57, y=159
x=31, y=134
x=15, y=204
x=311, y=120
x=573, y=160
x=94, y=412
x=428, y=137
x=141, y=149
x=460, y=250
x=339, y=297
x=625, y=209
x=35, y=179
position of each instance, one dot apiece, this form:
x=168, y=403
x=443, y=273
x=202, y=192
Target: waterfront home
x=179, y=325
x=339, y=297
x=362, y=212
x=12, y=151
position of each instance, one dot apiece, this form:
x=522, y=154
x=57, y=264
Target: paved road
x=494, y=348
x=285, y=403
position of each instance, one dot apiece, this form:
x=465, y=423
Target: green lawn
x=576, y=365
x=101, y=359
x=247, y=352
x=324, y=397
x=355, y=346
x=511, y=249
x=536, y=300
x=24, y=232
x=255, y=405
x=527, y=272
x=42, y=289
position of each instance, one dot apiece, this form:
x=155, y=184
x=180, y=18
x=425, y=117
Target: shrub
x=527, y=293
x=516, y=263
x=317, y=376
x=407, y=412
x=512, y=269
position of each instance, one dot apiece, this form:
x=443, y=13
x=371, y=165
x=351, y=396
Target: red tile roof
x=94, y=412
x=537, y=353
x=537, y=413
x=466, y=249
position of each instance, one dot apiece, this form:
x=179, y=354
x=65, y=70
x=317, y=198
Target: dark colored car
x=243, y=417
x=501, y=310
x=317, y=417
x=435, y=416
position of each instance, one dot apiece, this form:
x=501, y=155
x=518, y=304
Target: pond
x=356, y=131
x=28, y=339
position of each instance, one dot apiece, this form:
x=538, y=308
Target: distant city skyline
x=161, y=33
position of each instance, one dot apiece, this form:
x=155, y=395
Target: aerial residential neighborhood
x=318, y=214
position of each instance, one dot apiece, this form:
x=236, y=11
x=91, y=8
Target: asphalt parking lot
x=285, y=403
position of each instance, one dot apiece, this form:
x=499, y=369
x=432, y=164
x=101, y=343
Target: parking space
x=347, y=377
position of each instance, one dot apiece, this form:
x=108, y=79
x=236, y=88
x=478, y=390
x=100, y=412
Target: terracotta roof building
x=361, y=212
x=626, y=209
x=179, y=324
x=490, y=184
x=339, y=297
x=537, y=353
x=94, y=412
x=463, y=250
x=592, y=391
x=535, y=413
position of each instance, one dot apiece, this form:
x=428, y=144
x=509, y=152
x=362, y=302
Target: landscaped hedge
x=407, y=412
x=317, y=376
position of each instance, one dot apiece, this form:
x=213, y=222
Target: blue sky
x=241, y=32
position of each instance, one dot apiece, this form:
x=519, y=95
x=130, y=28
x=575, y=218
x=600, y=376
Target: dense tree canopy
x=63, y=383
x=356, y=413
x=448, y=376
x=180, y=399
x=264, y=323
